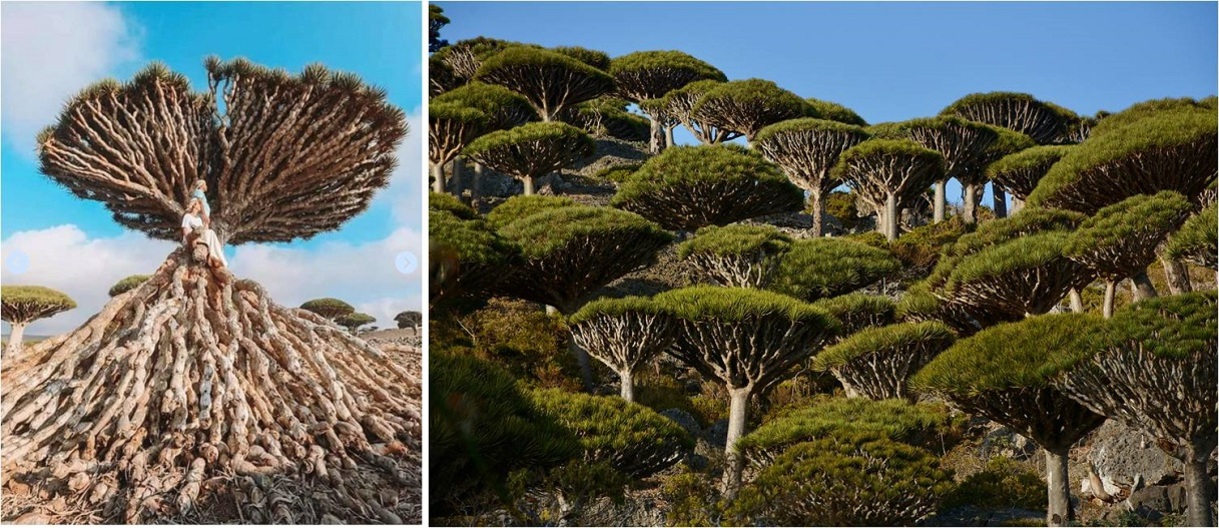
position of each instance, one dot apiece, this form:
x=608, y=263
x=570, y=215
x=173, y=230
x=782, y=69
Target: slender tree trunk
x=970, y=199
x=940, y=201
x=1198, y=485
x=477, y=184
x=438, y=178
x=1142, y=287
x=528, y=185
x=627, y=379
x=669, y=136
x=456, y=181
x=1177, y=275
x=1017, y=205
x=891, y=217
x=656, y=143
x=817, y=211
x=15, y=340
x=1110, y=293
x=1059, y=489
x=738, y=414
x=1077, y=301
x=1000, y=201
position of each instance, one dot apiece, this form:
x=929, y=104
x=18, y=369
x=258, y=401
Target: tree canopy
x=328, y=307
x=1047, y=123
x=1019, y=173
x=465, y=257
x=550, y=80
x=736, y=255
x=889, y=174
x=127, y=284
x=832, y=111
x=817, y=268
x=679, y=104
x=502, y=108
x=807, y=149
x=24, y=304
x=878, y=362
x=1196, y=240
x=747, y=106
x=625, y=334
x=1121, y=239
x=531, y=150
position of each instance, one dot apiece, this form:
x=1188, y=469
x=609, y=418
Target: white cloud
x=407, y=182
x=51, y=50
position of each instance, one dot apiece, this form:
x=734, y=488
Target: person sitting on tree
x=201, y=195
x=194, y=230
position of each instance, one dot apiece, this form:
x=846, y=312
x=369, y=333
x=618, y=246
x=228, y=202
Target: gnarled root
x=194, y=397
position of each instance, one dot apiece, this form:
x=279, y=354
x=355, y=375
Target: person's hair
x=200, y=183
x=193, y=203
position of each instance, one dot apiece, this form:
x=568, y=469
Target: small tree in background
x=679, y=105
x=1153, y=367
x=877, y=362
x=436, y=21
x=409, y=319
x=746, y=339
x=817, y=268
x=832, y=111
x=1120, y=240
x=607, y=116
x=460, y=61
x=736, y=255
x=127, y=284
x=625, y=334
x=1003, y=373
x=846, y=479
x=550, y=80
x=502, y=107
x=532, y=150
x=1196, y=240
x=328, y=307
x=23, y=305
x=1019, y=173
x=450, y=128
x=629, y=437
x=1044, y=122
x=747, y=106
x=353, y=321
x=685, y=188
x=649, y=75
x=889, y=175
x=807, y=149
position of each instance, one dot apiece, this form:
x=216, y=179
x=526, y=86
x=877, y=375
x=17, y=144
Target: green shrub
x=825, y=267
x=1004, y=483
x=693, y=498
x=845, y=479
x=871, y=238
x=522, y=338
x=127, y=284
x=521, y=206
x=630, y=437
x=618, y=173
x=857, y=311
x=1198, y=239
x=919, y=249
x=447, y=202
x=841, y=206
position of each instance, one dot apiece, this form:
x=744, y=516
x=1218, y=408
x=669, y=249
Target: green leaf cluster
x=886, y=340
x=1197, y=240
x=1019, y=173
x=23, y=304
x=502, y=107
x=735, y=239
x=447, y=202
x=1130, y=229
x=127, y=284
x=832, y=111
x=521, y=206
x=615, y=308
x=825, y=267
x=856, y=311
x=548, y=231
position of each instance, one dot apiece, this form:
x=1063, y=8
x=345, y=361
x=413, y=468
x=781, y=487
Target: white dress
x=214, y=248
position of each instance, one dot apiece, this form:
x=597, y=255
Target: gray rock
x=684, y=419
x=1002, y=441
x=1127, y=459
x=716, y=434
x=1152, y=499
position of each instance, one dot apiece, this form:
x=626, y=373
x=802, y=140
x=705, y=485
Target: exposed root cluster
x=194, y=398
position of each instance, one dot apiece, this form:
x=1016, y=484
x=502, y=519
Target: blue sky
x=896, y=61
x=83, y=43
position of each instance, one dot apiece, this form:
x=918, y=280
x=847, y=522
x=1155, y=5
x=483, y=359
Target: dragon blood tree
x=967, y=147
x=740, y=255
x=466, y=257
x=889, y=174
x=1120, y=240
x=747, y=106
x=746, y=339
x=450, y=128
x=550, y=80
x=1003, y=373
x=501, y=108
x=23, y=305
x=819, y=268
x=1153, y=367
x=625, y=334
x=877, y=362
x=1196, y=241
x=195, y=375
x=649, y=75
x=570, y=252
x=807, y=150
x=685, y=188
x=532, y=150
x=328, y=307
x=1019, y=173
x=678, y=106
x=126, y=284
x=832, y=111
x=1044, y=122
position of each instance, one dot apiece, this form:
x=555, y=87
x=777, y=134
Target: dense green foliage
x=531, y=150
x=747, y=106
x=860, y=479
x=127, y=284
x=630, y=437
x=736, y=239
x=825, y=267
x=834, y=112
x=1196, y=241
x=877, y=362
x=645, y=75
x=1044, y=122
x=502, y=107
x=857, y=311
x=920, y=248
x=353, y=321
x=1020, y=173
x=618, y=173
x=1170, y=327
x=23, y=304
x=597, y=59
x=465, y=257
x=450, y=203
x=733, y=305
x=691, y=187
x=520, y=206
x=1121, y=239
x=1004, y=483
x=988, y=234
x=550, y=80
x=328, y=307
x=481, y=428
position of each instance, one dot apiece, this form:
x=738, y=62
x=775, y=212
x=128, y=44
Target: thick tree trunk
x=657, y=135
x=669, y=136
x=528, y=185
x=1059, y=489
x=1142, y=287
x=970, y=199
x=455, y=182
x=891, y=217
x=999, y=200
x=1110, y=293
x=476, y=188
x=1198, y=485
x=1077, y=302
x=738, y=414
x=14, y=341
x=438, y=178
x=940, y=201
x=627, y=379
x=817, y=211
x=1177, y=276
